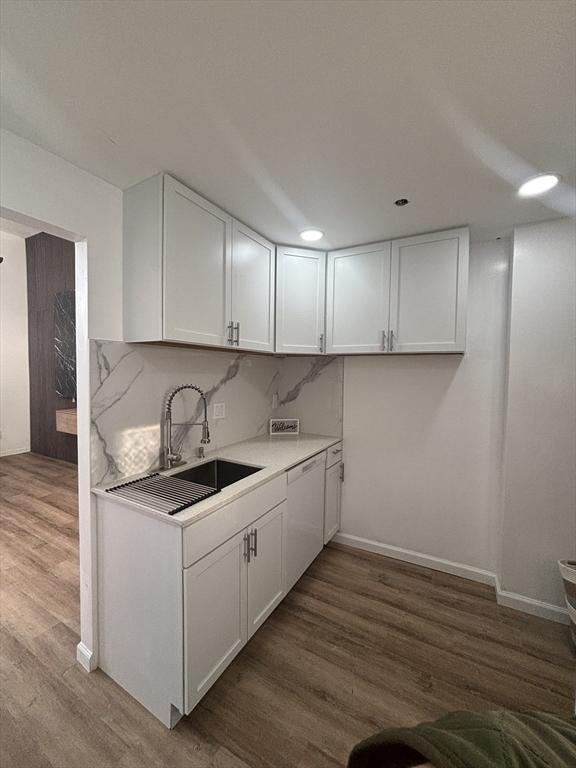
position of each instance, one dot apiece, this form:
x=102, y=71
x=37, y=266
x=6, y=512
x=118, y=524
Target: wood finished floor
x=361, y=643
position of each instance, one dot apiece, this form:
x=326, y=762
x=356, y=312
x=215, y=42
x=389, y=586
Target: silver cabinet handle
x=391, y=343
x=254, y=548
x=322, y=342
x=384, y=341
x=237, y=334
x=335, y=451
x=308, y=467
x=250, y=537
x=230, y=328
x=247, y=547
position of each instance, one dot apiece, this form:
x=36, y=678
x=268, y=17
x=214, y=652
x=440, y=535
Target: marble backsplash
x=311, y=389
x=129, y=384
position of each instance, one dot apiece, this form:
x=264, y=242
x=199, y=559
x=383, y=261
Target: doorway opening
x=37, y=344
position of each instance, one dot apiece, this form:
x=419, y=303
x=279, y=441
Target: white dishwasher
x=304, y=516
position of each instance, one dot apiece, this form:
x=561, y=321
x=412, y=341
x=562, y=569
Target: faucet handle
x=174, y=458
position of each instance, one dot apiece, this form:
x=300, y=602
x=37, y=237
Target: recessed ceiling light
x=538, y=185
x=311, y=235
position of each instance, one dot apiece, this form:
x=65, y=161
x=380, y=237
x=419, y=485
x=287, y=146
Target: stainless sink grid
x=163, y=493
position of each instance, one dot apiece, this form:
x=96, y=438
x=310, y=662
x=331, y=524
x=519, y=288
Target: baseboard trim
x=15, y=451
x=85, y=657
x=506, y=599
x=417, y=558
x=532, y=606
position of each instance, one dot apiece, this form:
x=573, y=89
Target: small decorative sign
x=284, y=426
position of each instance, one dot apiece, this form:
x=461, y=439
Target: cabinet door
x=332, y=501
x=358, y=299
x=429, y=292
x=214, y=616
x=266, y=575
x=253, y=289
x=197, y=243
x=301, y=286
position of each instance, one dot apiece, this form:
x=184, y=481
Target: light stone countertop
x=275, y=454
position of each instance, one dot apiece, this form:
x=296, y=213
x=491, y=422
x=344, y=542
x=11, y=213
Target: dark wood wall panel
x=50, y=267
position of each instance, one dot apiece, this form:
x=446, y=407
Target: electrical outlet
x=275, y=400
x=219, y=411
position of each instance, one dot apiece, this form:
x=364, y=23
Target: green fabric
x=474, y=740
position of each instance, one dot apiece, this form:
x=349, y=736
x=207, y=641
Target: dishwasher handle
x=307, y=466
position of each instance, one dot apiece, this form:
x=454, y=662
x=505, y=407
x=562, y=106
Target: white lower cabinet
x=228, y=594
x=214, y=616
x=176, y=605
x=332, y=501
x=266, y=569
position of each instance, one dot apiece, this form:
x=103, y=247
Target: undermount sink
x=217, y=473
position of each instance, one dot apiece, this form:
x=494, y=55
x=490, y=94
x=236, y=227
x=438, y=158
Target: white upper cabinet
x=197, y=244
x=429, y=285
x=407, y=296
x=357, y=299
x=253, y=290
x=300, y=294
x=193, y=274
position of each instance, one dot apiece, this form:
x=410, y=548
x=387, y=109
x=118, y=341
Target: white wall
x=539, y=498
x=42, y=186
x=37, y=187
x=423, y=434
x=14, y=374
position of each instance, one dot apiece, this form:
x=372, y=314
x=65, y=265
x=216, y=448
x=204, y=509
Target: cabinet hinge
x=342, y=472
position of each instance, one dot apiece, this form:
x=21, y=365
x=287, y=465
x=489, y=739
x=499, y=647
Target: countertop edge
x=215, y=502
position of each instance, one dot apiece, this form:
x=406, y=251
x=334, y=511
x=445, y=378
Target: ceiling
x=292, y=114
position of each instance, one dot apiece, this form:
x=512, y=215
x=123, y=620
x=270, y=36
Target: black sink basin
x=217, y=473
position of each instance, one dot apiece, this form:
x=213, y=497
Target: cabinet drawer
x=333, y=455
x=202, y=537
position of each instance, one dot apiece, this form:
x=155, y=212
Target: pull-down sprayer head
x=171, y=458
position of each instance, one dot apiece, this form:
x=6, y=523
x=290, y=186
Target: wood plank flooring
x=361, y=643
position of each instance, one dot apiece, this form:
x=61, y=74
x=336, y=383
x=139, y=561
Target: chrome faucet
x=169, y=458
